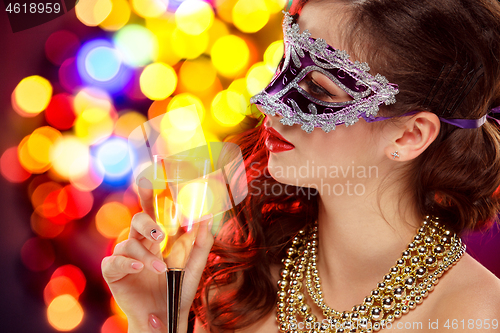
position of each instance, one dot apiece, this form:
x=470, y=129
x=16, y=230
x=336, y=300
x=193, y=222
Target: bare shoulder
x=468, y=291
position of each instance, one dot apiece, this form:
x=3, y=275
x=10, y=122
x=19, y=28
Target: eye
x=324, y=89
x=316, y=90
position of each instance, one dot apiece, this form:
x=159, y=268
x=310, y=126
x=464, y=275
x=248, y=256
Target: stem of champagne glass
x=174, y=288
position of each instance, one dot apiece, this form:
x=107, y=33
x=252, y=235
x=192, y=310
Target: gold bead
x=399, y=292
x=310, y=318
x=304, y=309
x=282, y=283
x=377, y=314
x=284, y=327
x=388, y=303
x=410, y=282
x=420, y=272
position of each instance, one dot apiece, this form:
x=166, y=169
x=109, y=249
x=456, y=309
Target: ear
x=414, y=136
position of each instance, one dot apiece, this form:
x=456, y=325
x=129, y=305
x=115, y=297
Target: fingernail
x=156, y=234
x=155, y=323
x=159, y=266
x=137, y=265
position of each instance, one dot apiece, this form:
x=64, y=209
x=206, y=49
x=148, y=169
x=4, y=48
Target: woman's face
x=345, y=155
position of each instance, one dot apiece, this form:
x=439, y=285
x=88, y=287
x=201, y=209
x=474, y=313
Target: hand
x=135, y=272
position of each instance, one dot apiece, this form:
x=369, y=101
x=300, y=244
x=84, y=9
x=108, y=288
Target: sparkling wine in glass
x=180, y=187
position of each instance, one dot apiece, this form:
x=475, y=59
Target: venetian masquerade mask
x=286, y=97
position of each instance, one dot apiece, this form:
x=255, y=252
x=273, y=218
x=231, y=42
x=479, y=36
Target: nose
x=269, y=121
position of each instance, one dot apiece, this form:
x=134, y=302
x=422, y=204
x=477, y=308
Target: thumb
x=156, y=324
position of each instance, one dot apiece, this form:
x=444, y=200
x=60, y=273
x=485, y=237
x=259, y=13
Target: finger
x=115, y=267
x=156, y=324
x=204, y=237
x=145, y=190
x=133, y=248
x=201, y=250
x=142, y=226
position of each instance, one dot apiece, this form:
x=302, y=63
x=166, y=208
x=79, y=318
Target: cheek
x=346, y=146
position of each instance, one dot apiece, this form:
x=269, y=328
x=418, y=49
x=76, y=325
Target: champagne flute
x=180, y=187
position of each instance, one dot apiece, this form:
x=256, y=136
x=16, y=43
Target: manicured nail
x=156, y=234
x=159, y=266
x=137, y=265
x=155, y=323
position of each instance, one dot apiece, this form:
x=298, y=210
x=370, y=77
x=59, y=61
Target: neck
x=359, y=241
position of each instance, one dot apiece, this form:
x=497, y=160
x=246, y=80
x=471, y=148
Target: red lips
x=275, y=142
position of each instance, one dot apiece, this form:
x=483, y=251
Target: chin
x=279, y=173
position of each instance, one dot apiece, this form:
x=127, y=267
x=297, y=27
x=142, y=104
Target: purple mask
x=304, y=55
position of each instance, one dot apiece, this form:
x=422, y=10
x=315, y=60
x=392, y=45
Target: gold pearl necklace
x=432, y=252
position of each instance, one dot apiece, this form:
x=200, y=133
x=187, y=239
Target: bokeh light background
x=72, y=91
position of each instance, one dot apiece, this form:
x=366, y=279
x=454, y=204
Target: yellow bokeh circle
x=230, y=55
x=250, y=16
x=27, y=161
x=94, y=125
x=112, y=218
x=149, y=8
x=41, y=142
x=64, y=313
x=276, y=6
x=185, y=100
x=216, y=31
x=258, y=77
x=33, y=94
x=158, y=81
x=187, y=46
x=195, y=199
x=197, y=75
x=194, y=16
x=163, y=28
x=93, y=12
x=225, y=9
x=127, y=122
x=92, y=98
x=229, y=108
x=240, y=86
x=65, y=152
x=118, y=17
x=274, y=54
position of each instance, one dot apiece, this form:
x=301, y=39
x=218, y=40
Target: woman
x=337, y=214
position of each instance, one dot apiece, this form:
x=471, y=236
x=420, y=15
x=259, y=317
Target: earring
x=395, y=155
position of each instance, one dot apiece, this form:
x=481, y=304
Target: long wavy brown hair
x=429, y=48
